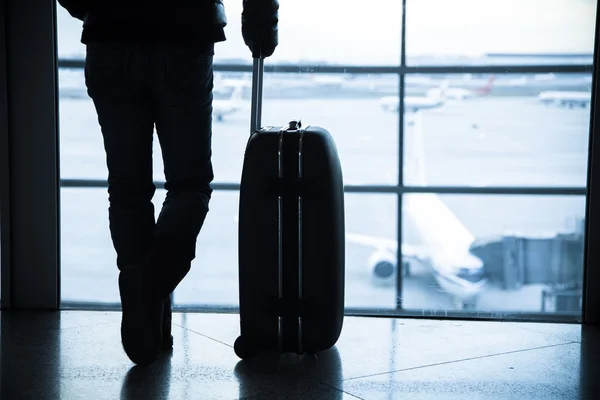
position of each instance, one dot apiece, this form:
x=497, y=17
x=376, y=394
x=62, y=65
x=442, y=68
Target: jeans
x=134, y=88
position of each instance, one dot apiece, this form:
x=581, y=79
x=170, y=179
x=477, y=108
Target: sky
x=368, y=32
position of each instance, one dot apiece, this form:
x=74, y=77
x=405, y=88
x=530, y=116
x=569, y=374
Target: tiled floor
x=78, y=355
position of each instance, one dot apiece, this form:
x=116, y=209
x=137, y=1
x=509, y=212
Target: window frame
x=44, y=291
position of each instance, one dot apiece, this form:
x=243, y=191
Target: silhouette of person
x=149, y=64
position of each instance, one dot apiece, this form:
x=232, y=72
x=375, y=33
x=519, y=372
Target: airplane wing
x=409, y=251
x=372, y=241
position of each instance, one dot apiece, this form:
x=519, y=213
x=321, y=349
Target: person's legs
x=116, y=80
x=182, y=80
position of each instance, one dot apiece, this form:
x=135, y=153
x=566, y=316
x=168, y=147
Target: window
x=466, y=140
x=511, y=32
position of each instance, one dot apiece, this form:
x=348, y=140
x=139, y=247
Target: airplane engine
x=382, y=267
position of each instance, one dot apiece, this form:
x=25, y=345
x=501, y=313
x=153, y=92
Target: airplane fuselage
x=456, y=270
x=411, y=104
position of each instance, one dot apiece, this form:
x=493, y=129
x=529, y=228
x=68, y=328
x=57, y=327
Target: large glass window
x=511, y=32
x=466, y=141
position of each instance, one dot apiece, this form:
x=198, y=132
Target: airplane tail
x=487, y=88
x=444, y=235
x=440, y=91
x=237, y=95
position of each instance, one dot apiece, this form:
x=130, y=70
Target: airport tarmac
x=506, y=141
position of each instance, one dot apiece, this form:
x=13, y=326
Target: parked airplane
x=224, y=107
x=435, y=98
x=565, y=98
x=457, y=93
x=326, y=81
x=223, y=82
x=446, y=241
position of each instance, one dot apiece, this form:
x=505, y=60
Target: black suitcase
x=291, y=237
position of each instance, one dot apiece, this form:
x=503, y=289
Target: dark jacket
x=179, y=21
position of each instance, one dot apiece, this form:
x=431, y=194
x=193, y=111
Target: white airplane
x=457, y=93
x=570, y=99
x=326, y=81
x=223, y=83
x=446, y=242
x=224, y=107
x=435, y=98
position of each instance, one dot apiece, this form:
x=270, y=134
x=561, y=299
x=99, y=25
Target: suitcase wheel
x=243, y=349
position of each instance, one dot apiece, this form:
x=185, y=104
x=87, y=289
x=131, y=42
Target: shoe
x=141, y=322
x=167, y=337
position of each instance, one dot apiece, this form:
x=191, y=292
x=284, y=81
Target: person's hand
x=260, y=20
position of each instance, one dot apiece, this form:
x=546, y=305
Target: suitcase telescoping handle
x=258, y=70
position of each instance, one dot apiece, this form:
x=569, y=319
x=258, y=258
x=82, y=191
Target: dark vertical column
x=33, y=136
x=591, y=303
x=4, y=171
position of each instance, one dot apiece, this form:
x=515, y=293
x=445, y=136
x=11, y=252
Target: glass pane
x=89, y=273
x=496, y=130
x=213, y=279
x=88, y=261
x=347, y=106
x=366, y=138
x=323, y=32
x=68, y=35
x=493, y=253
x=82, y=153
x=464, y=32
x=370, y=216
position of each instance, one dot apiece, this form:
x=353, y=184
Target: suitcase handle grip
x=258, y=67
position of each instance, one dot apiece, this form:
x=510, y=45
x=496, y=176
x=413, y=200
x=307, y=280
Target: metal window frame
x=517, y=316
x=391, y=189
x=383, y=70
x=33, y=159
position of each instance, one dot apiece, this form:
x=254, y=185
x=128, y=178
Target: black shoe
x=167, y=337
x=166, y=266
x=141, y=332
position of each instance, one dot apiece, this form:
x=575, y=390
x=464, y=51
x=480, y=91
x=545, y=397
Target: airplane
x=223, y=83
x=462, y=93
x=224, y=107
x=328, y=81
x=569, y=99
x=446, y=242
x=435, y=98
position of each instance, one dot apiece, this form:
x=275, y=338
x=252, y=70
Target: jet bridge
x=555, y=260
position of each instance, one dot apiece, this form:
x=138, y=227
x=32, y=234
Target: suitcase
x=291, y=237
